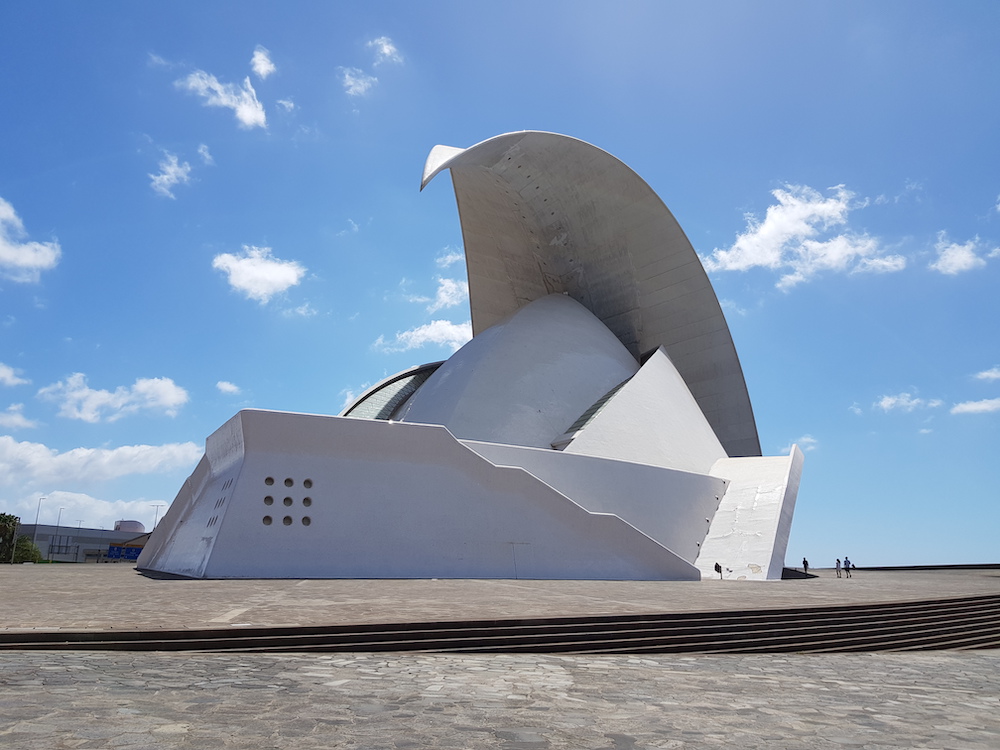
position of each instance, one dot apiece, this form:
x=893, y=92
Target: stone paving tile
x=55, y=700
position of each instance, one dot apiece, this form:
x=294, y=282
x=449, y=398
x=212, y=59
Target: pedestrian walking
x=838, y=567
x=847, y=566
x=805, y=566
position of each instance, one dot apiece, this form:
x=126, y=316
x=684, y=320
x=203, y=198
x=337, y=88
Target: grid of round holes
x=288, y=501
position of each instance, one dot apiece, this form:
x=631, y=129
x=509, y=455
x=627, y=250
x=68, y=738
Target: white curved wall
x=375, y=499
x=527, y=379
x=653, y=420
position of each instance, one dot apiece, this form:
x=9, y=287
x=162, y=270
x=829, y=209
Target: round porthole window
x=267, y=520
x=287, y=501
x=269, y=481
x=307, y=501
x=307, y=483
x=268, y=500
x=289, y=482
x=287, y=520
x=306, y=520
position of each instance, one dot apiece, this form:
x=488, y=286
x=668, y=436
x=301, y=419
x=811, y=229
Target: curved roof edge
x=543, y=213
x=411, y=372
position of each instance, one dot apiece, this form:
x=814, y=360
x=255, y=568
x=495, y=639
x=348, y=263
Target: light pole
x=156, y=516
x=34, y=537
x=58, y=519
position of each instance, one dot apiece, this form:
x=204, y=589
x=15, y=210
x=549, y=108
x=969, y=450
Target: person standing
x=805, y=566
x=847, y=566
x=838, y=567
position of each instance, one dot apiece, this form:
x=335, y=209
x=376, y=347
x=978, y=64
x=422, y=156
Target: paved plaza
x=54, y=700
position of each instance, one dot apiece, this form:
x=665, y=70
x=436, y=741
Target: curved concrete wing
x=544, y=213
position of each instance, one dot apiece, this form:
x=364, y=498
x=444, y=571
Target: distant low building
x=79, y=545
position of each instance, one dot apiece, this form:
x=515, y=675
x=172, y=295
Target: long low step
x=971, y=622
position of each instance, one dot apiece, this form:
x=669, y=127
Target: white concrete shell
x=596, y=426
x=544, y=213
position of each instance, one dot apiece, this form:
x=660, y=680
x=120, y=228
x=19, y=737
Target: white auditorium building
x=597, y=425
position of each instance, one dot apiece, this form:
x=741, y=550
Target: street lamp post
x=34, y=537
x=58, y=520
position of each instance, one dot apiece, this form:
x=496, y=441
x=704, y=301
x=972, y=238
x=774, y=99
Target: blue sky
x=212, y=206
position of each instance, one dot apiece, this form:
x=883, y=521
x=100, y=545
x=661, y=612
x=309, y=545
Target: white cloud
x=230, y=389
x=171, y=173
x=356, y=82
x=206, y=157
x=257, y=274
x=450, y=258
x=731, y=306
x=977, y=407
x=385, y=50
x=884, y=264
x=793, y=238
x=855, y=408
x=261, y=62
x=14, y=419
x=450, y=292
x=992, y=374
x=806, y=443
x=286, y=104
x=23, y=262
x=79, y=401
x=437, y=332
x=9, y=376
x=905, y=402
x=25, y=464
x=305, y=310
x=352, y=228
x=954, y=258
x=243, y=101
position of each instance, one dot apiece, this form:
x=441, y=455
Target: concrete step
x=960, y=623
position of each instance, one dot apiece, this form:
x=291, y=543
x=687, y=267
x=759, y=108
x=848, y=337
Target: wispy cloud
x=954, y=258
x=437, y=332
x=77, y=400
x=385, y=51
x=352, y=228
x=9, y=376
x=14, y=419
x=356, y=82
x=450, y=292
x=977, y=407
x=906, y=402
x=796, y=237
x=286, y=104
x=26, y=464
x=171, y=174
x=449, y=258
x=242, y=101
x=992, y=374
x=806, y=443
x=230, y=389
x=206, y=156
x=257, y=274
x=261, y=62
x=22, y=261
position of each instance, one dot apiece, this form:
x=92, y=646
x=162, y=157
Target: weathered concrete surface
x=106, y=597
x=118, y=700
